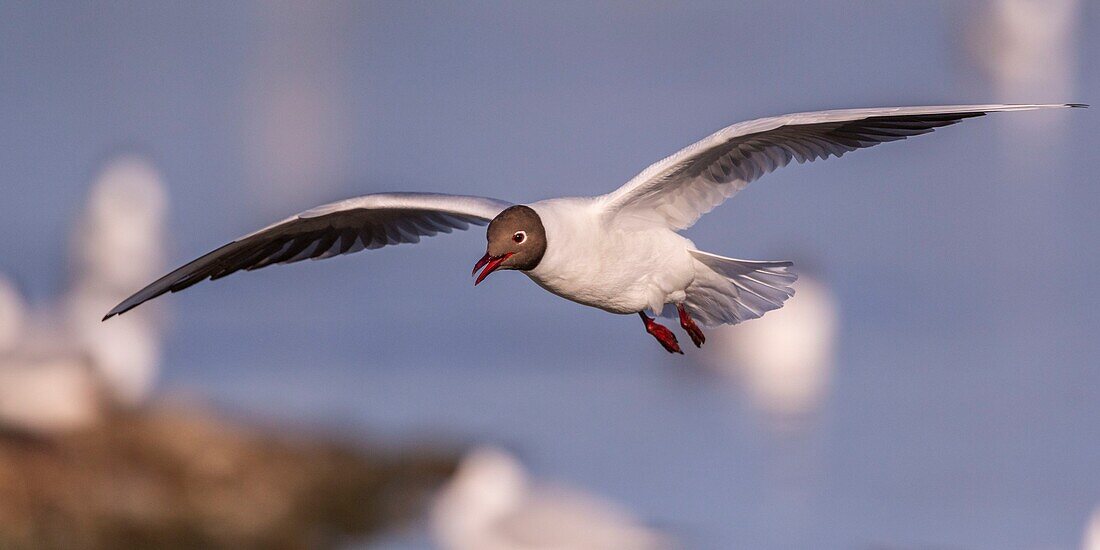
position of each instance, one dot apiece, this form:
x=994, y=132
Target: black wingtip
x=1078, y=105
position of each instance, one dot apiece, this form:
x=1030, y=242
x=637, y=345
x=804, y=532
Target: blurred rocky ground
x=172, y=477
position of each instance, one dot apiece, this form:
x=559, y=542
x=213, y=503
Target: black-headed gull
x=620, y=252
x=492, y=503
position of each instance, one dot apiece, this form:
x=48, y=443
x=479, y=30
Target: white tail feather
x=727, y=291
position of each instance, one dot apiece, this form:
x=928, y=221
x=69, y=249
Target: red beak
x=490, y=264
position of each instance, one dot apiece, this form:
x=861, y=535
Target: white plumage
x=491, y=503
x=13, y=315
x=620, y=252
x=60, y=370
x=784, y=362
x=1091, y=541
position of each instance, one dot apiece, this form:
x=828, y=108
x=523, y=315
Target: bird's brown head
x=517, y=240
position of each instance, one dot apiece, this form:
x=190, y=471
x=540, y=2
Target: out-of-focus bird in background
x=1091, y=540
x=491, y=503
x=783, y=361
x=620, y=252
x=1025, y=47
x=45, y=386
x=119, y=242
x=59, y=367
x=13, y=313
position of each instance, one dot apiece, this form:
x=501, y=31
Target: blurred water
x=920, y=443
x=966, y=395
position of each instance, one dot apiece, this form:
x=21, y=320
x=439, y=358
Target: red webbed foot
x=689, y=325
x=661, y=333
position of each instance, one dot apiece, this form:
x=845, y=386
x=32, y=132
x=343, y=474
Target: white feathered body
x=610, y=264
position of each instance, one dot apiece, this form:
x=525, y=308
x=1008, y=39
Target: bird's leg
x=661, y=333
x=689, y=325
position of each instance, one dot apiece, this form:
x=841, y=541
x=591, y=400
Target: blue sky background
x=964, y=408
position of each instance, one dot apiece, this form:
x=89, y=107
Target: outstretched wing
x=678, y=190
x=343, y=227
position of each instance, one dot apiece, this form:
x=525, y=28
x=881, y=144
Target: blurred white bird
x=46, y=385
x=1091, y=541
x=59, y=367
x=491, y=504
x=117, y=244
x=48, y=394
x=784, y=360
x=13, y=313
x=1026, y=47
x=620, y=252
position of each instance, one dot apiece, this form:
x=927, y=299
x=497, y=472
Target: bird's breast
x=611, y=268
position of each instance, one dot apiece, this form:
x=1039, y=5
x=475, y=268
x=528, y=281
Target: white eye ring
x=519, y=237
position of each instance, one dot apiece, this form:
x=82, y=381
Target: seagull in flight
x=621, y=252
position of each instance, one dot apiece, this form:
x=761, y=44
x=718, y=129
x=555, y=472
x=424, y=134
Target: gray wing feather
x=344, y=227
x=679, y=189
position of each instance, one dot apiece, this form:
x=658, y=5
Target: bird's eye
x=519, y=236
